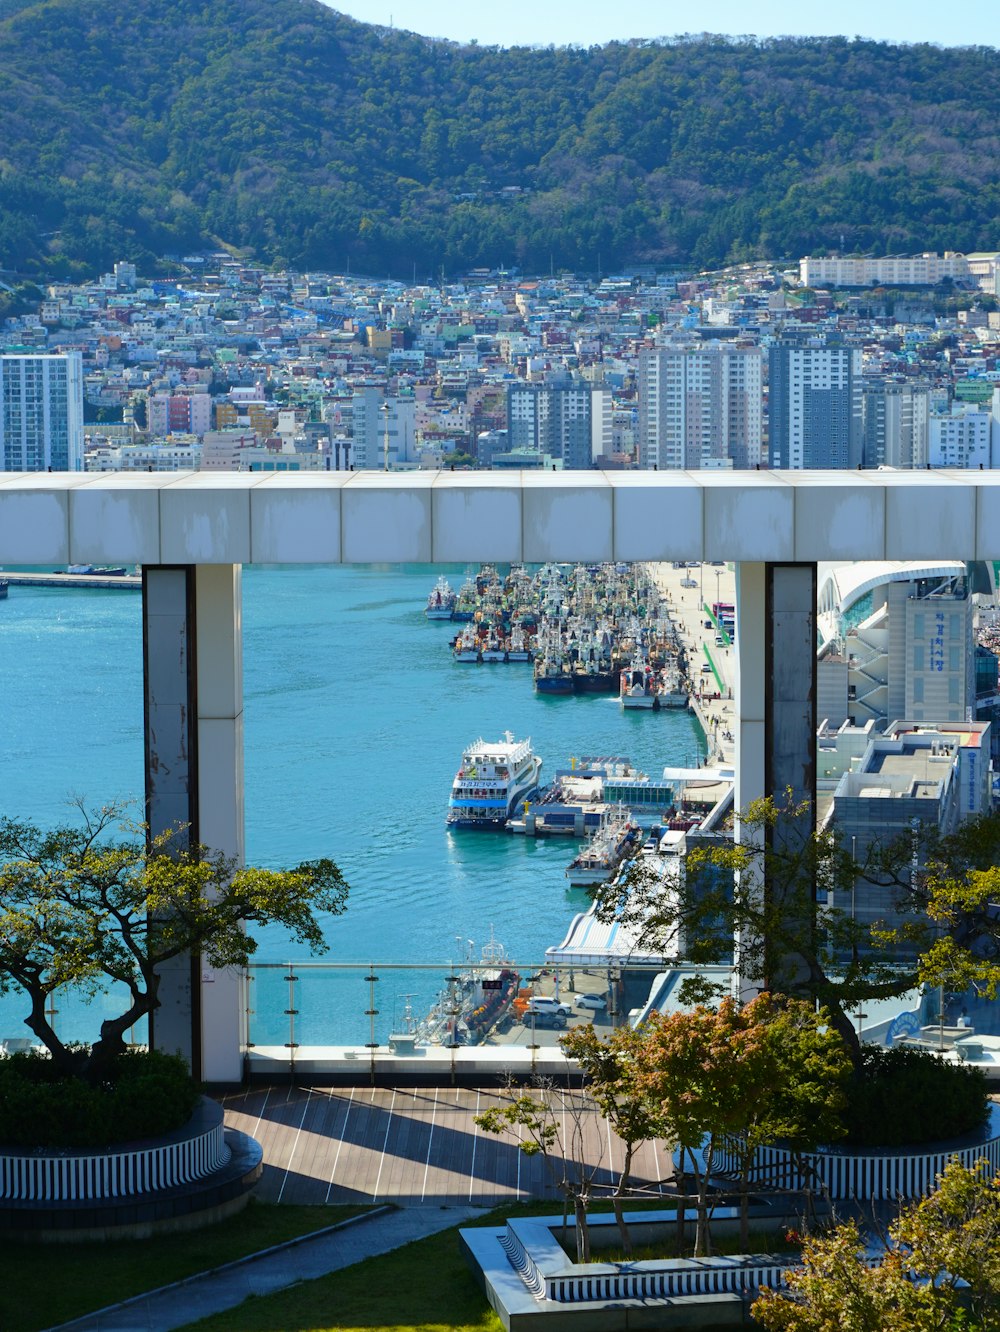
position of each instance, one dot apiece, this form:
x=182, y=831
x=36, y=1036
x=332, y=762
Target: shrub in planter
x=146, y=1094
x=902, y=1096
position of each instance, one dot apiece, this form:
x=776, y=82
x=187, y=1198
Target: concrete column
x=219, y=678
x=751, y=721
x=194, y=778
x=775, y=691
x=790, y=763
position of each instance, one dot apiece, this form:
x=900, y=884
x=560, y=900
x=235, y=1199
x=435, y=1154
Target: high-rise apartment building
x=894, y=423
x=961, y=438
x=814, y=403
x=41, y=413
x=569, y=421
x=700, y=406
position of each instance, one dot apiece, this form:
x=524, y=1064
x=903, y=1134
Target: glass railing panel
x=394, y=1007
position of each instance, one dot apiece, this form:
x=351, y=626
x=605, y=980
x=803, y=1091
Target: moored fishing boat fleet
x=585, y=629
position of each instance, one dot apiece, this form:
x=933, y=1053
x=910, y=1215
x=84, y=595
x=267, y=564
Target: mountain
x=296, y=134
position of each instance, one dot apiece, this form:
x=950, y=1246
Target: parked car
x=545, y=1007
x=595, y=1001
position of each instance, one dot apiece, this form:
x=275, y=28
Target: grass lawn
x=424, y=1287
x=44, y=1284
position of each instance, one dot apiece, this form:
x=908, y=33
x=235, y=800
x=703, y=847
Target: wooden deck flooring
x=414, y=1145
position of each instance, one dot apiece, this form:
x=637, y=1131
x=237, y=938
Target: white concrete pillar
x=219, y=692
x=192, y=648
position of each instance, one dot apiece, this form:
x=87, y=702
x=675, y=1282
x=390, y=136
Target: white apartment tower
x=894, y=423
x=41, y=413
x=962, y=438
x=384, y=430
x=700, y=406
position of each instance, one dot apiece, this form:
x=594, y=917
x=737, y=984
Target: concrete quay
x=713, y=691
x=130, y=582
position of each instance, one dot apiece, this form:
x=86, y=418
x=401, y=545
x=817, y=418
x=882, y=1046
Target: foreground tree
x=940, y=1270
x=783, y=895
x=551, y=1124
x=90, y=905
x=611, y=1068
x=741, y=1078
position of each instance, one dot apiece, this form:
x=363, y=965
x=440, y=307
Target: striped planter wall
x=885, y=1176
x=142, y=1168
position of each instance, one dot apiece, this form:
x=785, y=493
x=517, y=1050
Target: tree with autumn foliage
x=741, y=1077
x=939, y=1270
x=782, y=897
x=100, y=903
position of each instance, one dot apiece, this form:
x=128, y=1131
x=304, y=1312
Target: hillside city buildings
x=232, y=366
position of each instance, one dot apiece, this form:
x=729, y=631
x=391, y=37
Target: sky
x=587, y=23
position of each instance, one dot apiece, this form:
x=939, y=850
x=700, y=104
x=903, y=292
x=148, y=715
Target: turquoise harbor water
x=355, y=720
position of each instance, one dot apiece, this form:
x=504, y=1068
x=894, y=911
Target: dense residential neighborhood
x=237, y=367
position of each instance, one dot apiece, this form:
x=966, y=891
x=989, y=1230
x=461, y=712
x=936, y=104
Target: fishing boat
x=465, y=604
x=441, y=602
x=615, y=838
x=638, y=688
x=492, y=780
x=671, y=692
x=518, y=649
x=478, y=996
x=552, y=666
x=494, y=648
x=466, y=647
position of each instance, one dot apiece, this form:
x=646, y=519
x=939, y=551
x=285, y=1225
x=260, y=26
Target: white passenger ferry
x=494, y=777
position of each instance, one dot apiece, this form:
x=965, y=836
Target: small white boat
x=614, y=838
x=671, y=693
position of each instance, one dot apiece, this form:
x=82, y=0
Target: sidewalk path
x=302, y=1259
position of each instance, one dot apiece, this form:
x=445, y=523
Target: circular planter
x=197, y=1174
x=869, y=1173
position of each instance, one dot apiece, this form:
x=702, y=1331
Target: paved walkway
x=419, y=1147
x=687, y=607
x=305, y=1259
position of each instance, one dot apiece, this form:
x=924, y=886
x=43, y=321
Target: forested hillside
x=281, y=127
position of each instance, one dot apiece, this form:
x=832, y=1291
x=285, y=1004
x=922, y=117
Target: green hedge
x=903, y=1096
x=147, y=1094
